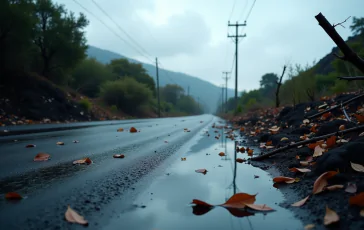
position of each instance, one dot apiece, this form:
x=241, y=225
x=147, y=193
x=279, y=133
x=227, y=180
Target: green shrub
x=85, y=104
x=127, y=94
x=114, y=108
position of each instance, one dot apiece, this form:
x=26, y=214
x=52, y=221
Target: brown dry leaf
x=268, y=143
x=13, y=196
x=301, y=202
x=318, y=151
x=304, y=163
x=330, y=217
x=287, y=180
x=221, y=154
x=242, y=129
x=83, y=161
x=73, y=217
x=30, y=146
x=284, y=139
x=250, y=152
x=120, y=130
x=351, y=188
x=342, y=127
x=200, y=202
x=60, y=143
x=42, y=157
x=239, y=200
x=118, y=156
x=360, y=118
x=242, y=150
x=331, y=141
x=133, y=130
x=309, y=226
x=298, y=157
x=203, y=171
x=334, y=187
x=183, y=158
x=259, y=207
x=321, y=181
x=239, y=160
x=357, y=167
x=302, y=170
x=313, y=145
x=357, y=200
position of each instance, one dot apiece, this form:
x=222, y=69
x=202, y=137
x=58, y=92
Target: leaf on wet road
x=357, y=167
x=351, y=188
x=133, y=130
x=250, y=152
x=318, y=151
x=83, y=161
x=301, y=202
x=239, y=200
x=259, y=207
x=334, y=187
x=183, y=158
x=42, y=157
x=221, y=154
x=281, y=179
x=242, y=150
x=309, y=227
x=30, y=146
x=200, y=202
x=331, y=216
x=120, y=130
x=203, y=171
x=331, y=141
x=357, y=200
x=302, y=170
x=321, y=181
x=313, y=145
x=73, y=217
x=118, y=156
x=13, y=196
x=60, y=143
x=239, y=160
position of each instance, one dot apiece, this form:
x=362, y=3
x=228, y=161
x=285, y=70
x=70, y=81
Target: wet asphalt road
x=149, y=189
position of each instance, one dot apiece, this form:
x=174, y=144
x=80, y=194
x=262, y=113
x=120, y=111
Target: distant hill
x=209, y=94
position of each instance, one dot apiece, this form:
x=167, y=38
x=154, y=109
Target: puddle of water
x=165, y=204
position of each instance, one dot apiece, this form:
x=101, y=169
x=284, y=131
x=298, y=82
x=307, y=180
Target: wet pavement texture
x=150, y=188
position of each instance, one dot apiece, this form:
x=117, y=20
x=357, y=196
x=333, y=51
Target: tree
x=188, y=105
x=171, y=93
x=88, y=76
x=357, y=26
x=16, y=25
x=268, y=84
x=124, y=68
x=127, y=94
x=59, y=37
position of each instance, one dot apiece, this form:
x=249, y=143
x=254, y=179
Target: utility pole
x=159, y=102
x=222, y=98
x=226, y=84
x=236, y=40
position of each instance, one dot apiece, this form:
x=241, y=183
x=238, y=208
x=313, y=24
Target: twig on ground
x=261, y=157
x=336, y=106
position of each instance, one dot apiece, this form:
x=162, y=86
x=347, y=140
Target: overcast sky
x=190, y=36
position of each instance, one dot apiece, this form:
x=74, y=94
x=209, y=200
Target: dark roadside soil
x=337, y=158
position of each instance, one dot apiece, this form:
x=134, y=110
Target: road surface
x=150, y=188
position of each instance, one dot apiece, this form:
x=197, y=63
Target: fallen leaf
x=239, y=160
x=306, y=121
x=59, y=143
x=341, y=127
x=318, y=151
x=284, y=139
x=183, y=158
x=268, y=143
x=221, y=154
x=242, y=150
x=287, y=180
x=357, y=200
x=357, y=167
x=330, y=216
x=42, y=157
x=120, y=130
x=321, y=181
x=309, y=226
x=331, y=141
x=118, y=156
x=301, y=202
x=242, y=129
x=360, y=118
x=302, y=170
x=203, y=171
x=361, y=134
x=83, y=161
x=239, y=200
x=133, y=130
x=334, y=187
x=313, y=145
x=200, y=202
x=298, y=157
x=73, y=217
x=259, y=207
x=351, y=188
x=362, y=213
x=304, y=163
x=13, y=196
x=250, y=152
x=30, y=146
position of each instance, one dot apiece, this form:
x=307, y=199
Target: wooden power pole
x=226, y=84
x=236, y=40
x=159, y=102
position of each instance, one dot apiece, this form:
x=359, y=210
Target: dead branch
x=341, y=23
x=310, y=94
x=336, y=106
x=352, y=78
x=349, y=54
x=279, y=83
x=315, y=139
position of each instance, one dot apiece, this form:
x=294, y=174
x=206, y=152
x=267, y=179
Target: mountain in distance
x=209, y=95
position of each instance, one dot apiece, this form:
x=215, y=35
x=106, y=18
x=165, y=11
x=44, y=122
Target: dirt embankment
x=288, y=125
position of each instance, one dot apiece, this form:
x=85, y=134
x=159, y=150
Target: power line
x=244, y=9
x=109, y=28
x=121, y=29
x=246, y=19
x=232, y=10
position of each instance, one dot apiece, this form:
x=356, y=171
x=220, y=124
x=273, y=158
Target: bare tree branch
x=341, y=23
x=352, y=78
x=279, y=83
x=349, y=54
